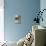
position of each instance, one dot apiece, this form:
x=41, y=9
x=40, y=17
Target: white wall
x=1, y=20
x=43, y=6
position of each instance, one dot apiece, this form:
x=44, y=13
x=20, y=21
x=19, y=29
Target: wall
x=1, y=20
x=43, y=6
x=26, y=9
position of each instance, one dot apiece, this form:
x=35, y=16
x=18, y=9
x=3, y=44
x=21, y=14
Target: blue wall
x=25, y=8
